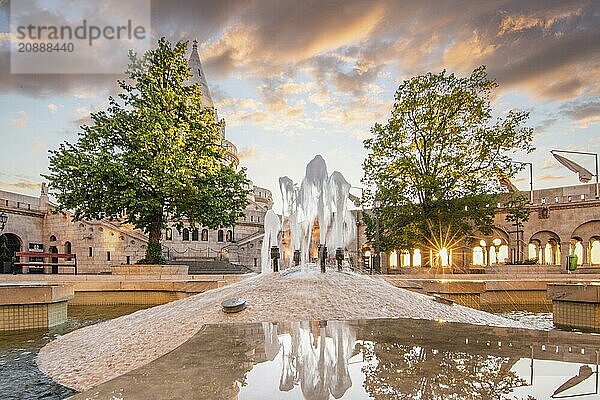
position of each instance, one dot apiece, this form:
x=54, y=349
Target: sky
x=293, y=79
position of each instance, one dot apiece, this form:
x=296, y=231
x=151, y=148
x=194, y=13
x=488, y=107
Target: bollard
x=339, y=256
x=275, y=258
x=322, y=256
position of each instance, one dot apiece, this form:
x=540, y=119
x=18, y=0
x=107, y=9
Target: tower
x=199, y=78
x=198, y=75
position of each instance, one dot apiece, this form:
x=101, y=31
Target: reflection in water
x=315, y=356
x=372, y=359
x=412, y=372
x=20, y=377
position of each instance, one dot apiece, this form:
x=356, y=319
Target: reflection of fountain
x=320, y=201
x=315, y=357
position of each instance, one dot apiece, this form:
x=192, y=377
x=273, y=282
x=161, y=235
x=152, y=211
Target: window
x=252, y=218
x=220, y=235
x=570, y=198
x=556, y=199
x=257, y=219
x=128, y=260
x=195, y=235
x=186, y=234
x=205, y=235
x=168, y=234
x=90, y=252
x=67, y=247
x=53, y=238
x=229, y=236
x=543, y=200
x=583, y=197
x=108, y=256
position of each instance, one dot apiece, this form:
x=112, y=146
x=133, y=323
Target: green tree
x=435, y=164
x=518, y=212
x=155, y=154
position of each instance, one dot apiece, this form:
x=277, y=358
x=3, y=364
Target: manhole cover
x=233, y=305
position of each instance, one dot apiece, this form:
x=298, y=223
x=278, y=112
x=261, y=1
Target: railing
x=39, y=266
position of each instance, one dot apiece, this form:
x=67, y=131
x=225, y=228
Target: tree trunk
x=154, y=251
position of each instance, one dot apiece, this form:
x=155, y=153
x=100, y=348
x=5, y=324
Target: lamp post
x=358, y=202
x=530, y=177
x=3, y=221
x=377, y=259
x=584, y=174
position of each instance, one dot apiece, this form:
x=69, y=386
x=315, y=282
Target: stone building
x=563, y=221
x=32, y=224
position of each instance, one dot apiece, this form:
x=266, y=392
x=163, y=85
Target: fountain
x=320, y=201
x=315, y=218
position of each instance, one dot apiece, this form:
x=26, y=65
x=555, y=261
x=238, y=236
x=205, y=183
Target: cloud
x=19, y=120
x=247, y=153
x=549, y=177
x=54, y=107
x=20, y=186
x=583, y=113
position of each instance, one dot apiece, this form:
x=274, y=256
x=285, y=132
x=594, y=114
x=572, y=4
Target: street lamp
x=358, y=202
x=3, y=221
x=583, y=174
x=377, y=204
x=530, y=177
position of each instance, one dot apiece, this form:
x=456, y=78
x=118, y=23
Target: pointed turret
x=198, y=75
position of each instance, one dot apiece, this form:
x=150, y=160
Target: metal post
x=339, y=256
x=322, y=256
x=377, y=258
x=597, y=186
x=275, y=257
x=530, y=183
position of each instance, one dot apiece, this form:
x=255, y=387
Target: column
x=565, y=250
x=584, y=253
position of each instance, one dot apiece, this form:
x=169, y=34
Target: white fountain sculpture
x=320, y=198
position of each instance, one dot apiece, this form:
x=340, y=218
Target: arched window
x=53, y=238
x=168, y=234
x=205, y=235
x=186, y=234
x=229, y=236
x=195, y=235
x=417, y=257
x=477, y=256
x=220, y=235
x=67, y=247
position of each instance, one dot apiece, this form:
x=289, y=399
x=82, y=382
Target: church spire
x=198, y=75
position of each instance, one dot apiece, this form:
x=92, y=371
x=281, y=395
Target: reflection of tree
x=401, y=371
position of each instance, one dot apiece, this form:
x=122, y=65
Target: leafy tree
x=518, y=212
x=434, y=166
x=153, y=155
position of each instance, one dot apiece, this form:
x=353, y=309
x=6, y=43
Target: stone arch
x=13, y=242
x=585, y=243
x=587, y=230
x=546, y=245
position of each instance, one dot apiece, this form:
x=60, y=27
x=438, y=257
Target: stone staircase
x=212, y=267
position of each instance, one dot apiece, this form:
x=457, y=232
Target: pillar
x=565, y=250
x=584, y=253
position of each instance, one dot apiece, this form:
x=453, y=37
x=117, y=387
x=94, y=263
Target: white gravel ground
x=95, y=354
